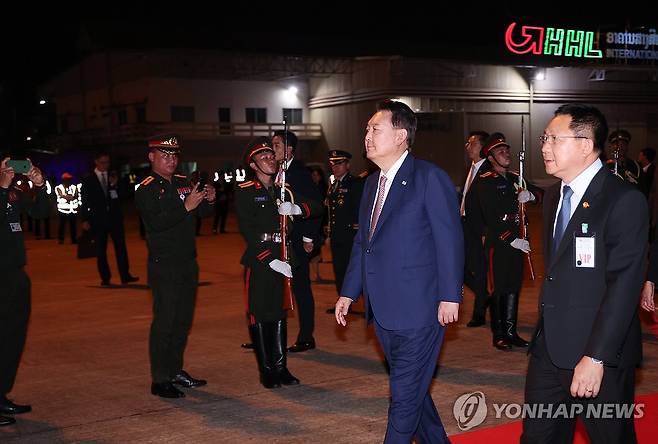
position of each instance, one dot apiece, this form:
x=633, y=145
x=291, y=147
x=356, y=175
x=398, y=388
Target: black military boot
x=509, y=324
x=499, y=338
x=279, y=353
x=261, y=335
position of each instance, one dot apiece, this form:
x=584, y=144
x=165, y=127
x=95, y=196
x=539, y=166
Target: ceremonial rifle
x=288, y=299
x=523, y=221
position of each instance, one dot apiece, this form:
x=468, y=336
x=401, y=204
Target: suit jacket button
x=368, y=251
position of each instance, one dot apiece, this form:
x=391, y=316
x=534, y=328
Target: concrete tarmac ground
x=85, y=369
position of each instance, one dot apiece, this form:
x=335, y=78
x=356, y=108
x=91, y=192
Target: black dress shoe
x=6, y=420
x=502, y=344
x=476, y=322
x=105, y=283
x=166, y=390
x=517, y=341
x=302, y=346
x=248, y=345
x=185, y=380
x=9, y=408
x=129, y=279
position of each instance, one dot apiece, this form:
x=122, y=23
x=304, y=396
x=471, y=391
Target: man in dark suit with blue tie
x=588, y=339
x=408, y=262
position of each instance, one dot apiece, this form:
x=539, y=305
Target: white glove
x=281, y=267
x=526, y=196
x=289, y=209
x=521, y=244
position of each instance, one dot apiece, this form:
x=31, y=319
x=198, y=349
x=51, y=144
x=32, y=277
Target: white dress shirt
x=472, y=174
x=390, y=176
x=579, y=186
x=102, y=178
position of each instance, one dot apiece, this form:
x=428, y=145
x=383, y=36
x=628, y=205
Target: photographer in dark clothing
x=15, y=288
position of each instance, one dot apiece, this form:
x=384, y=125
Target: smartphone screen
x=19, y=166
x=203, y=180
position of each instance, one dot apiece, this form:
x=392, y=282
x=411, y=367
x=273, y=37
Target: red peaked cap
x=167, y=143
x=492, y=144
x=256, y=146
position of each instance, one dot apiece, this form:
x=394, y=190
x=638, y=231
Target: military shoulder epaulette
x=489, y=174
x=147, y=181
x=249, y=183
x=180, y=175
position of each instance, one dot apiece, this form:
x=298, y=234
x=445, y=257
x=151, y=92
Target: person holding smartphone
x=14, y=282
x=168, y=204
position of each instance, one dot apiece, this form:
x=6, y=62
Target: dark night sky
x=35, y=49
x=40, y=47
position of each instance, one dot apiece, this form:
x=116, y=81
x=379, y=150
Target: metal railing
x=140, y=132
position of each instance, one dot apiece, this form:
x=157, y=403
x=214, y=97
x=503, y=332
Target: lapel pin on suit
x=404, y=182
x=585, y=204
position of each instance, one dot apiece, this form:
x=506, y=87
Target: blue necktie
x=563, y=217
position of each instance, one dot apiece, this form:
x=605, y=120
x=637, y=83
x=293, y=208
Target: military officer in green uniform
x=259, y=219
x=342, y=202
x=169, y=205
x=14, y=282
x=498, y=195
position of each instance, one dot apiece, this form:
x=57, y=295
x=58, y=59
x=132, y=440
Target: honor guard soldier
x=499, y=196
x=259, y=220
x=14, y=282
x=342, y=203
x=618, y=160
x=169, y=205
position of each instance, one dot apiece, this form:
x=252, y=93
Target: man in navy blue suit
x=408, y=262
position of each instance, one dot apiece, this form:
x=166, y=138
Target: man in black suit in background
x=304, y=237
x=645, y=159
x=101, y=213
x=475, y=261
x=588, y=339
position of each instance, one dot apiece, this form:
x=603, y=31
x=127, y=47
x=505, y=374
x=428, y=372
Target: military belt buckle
x=511, y=217
x=271, y=237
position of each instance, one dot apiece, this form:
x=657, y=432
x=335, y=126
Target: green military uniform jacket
x=259, y=223
x=497, y=198
x=12, y=202
x=170, y=228
x=258, y=214
x=343, y=204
